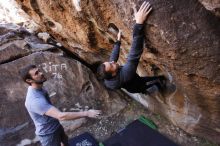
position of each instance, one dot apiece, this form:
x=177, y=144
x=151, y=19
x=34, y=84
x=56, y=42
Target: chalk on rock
x=44, y=36
x=59, y=44
x=76, y=3
x=24, y=142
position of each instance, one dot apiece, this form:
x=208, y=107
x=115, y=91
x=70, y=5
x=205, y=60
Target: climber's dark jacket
x=126, y=76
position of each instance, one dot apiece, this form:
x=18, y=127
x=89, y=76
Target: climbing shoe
x=167, y=89
x=153, y=91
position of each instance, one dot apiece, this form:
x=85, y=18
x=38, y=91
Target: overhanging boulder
x=183, y=40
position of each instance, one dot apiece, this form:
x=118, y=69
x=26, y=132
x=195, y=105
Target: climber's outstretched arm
x=134, y=55
x=116, y=49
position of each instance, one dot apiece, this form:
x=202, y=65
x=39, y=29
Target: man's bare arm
x=62, y=116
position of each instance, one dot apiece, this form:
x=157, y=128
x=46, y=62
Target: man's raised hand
x=143, y=12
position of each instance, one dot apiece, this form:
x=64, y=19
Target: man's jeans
x=55, y=138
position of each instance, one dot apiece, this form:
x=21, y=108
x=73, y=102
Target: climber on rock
x=116, y=77
x=45, y=116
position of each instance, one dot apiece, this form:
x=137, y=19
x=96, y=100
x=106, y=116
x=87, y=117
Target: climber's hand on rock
x=119, y=35
x=93, y=113
x=143, y=12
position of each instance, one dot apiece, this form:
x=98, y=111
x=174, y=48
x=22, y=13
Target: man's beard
x=40, y=82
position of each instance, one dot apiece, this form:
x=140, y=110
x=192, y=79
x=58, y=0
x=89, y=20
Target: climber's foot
x=155, y=92
x=167, y=89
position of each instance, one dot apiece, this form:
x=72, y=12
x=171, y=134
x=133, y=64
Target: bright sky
x=9, y=12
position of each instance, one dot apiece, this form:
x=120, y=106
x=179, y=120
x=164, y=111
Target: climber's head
x=107, y=70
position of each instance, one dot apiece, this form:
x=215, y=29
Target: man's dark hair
x=24, y=72
x=102, y=74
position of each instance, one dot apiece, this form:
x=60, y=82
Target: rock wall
x=212, y=5
x=182, y=41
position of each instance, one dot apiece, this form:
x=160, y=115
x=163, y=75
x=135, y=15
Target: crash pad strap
x=147, y=122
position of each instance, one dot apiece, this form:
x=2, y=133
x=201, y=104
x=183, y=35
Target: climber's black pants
x=141, y=84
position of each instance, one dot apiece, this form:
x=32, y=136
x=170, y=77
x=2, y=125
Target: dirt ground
x=109, y=125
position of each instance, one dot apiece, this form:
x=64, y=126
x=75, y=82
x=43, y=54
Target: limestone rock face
x=182, y=41
x=11, y=12
x=18, y=42
x=71, y=86
x=212, y=5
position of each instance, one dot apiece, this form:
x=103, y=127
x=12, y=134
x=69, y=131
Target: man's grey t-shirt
x=38, y=103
